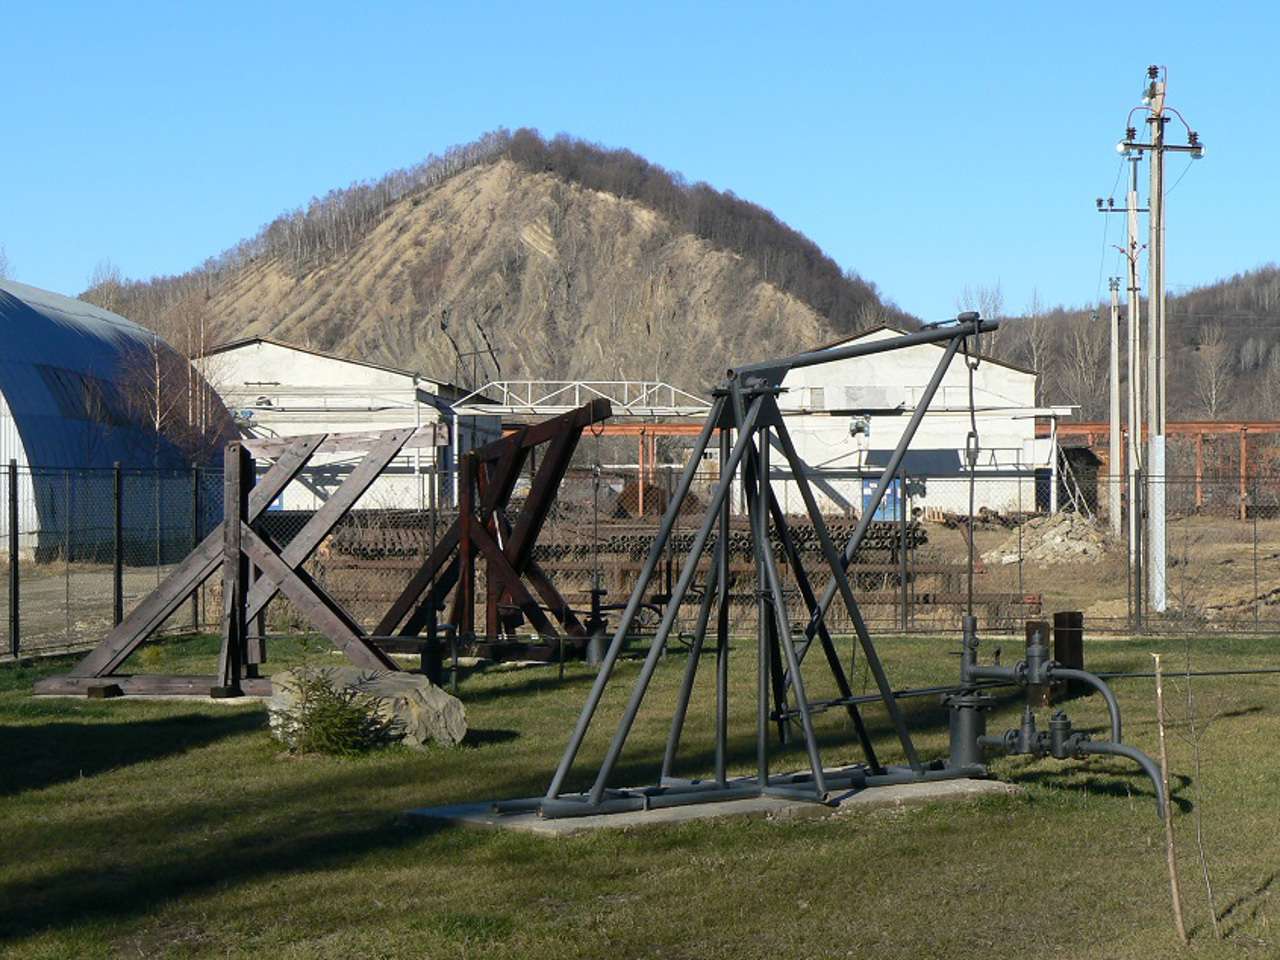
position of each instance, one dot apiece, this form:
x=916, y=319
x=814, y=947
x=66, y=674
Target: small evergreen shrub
x=336, y=720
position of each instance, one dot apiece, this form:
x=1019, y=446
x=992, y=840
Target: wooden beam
x=324, y=613
x=427, y=435
x=330, y=513
x=194, y=685
x=198, y=566
x=237, y=482
x=511, y=582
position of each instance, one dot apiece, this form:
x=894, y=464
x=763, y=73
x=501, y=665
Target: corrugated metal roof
x=63, y=366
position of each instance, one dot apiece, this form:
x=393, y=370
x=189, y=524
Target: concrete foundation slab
x=871, y=798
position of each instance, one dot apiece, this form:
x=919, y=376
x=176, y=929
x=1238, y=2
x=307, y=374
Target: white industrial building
x=275, y=390
x=847, y=416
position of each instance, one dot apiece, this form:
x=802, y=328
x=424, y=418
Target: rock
x=424, y=711
x=1062, y=538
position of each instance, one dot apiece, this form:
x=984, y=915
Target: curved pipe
x=1066, y=673
x=1137, y=756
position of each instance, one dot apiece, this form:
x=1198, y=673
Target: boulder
x=1065, y=537
x=421, y=709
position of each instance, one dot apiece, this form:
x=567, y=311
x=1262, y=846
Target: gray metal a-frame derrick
x=750, y=428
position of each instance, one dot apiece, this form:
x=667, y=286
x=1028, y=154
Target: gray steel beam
x=633, y=604
x=682, y=586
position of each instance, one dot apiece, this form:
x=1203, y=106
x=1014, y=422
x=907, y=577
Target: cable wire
x=971, y=444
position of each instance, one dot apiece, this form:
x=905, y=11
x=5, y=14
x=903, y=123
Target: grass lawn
x=175, y=829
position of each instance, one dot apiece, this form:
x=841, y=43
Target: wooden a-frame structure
x=254, y=569
x=484, y=533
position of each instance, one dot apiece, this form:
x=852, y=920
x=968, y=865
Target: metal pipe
x=1014, y=674
x=673, y=607
x=633, y=604
x=117, y=539
x=839, y=582
x=1086, y=747
x=810, y=598
x=554, y=808
x=760, y=541
x=722, y=632
x=15, y=621
x=691, y=668
x=963, y=328
x=797, y=786
x=1113, y=707
x=895, y=461
x=783, y=624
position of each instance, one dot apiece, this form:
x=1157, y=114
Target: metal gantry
x=751, y=429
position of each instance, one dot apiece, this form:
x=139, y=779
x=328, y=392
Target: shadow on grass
x=530, y=685
x=485, y=738
x=112, y=891
x=1077, y=778
x=40, y=755
x=1247, y=906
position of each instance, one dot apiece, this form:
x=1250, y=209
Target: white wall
x=11, y=448
x=278, y=391
x=822, y=401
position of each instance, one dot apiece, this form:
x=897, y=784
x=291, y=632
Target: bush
x=336, y=720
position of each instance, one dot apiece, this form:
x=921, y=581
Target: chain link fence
x=87, y=546
x=82, y=547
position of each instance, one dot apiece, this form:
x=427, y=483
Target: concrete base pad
x=871, y=798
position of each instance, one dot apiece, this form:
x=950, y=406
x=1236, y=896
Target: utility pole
x=1133, y=368
x=1157, y=352
x=1134, y=470
x=1157, y=329
x=1115, y=465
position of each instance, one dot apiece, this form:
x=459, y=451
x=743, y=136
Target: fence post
x=195, y=542
x=1140, y=509
x=14, y=638
x=117, y=580
x=902, y=545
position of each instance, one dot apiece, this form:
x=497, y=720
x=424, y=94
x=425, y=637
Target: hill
x=520, y=258
x=1223, y=351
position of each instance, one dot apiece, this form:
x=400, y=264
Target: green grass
x=176, y=829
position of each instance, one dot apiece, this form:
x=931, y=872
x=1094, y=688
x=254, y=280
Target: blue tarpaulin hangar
x=81, y=390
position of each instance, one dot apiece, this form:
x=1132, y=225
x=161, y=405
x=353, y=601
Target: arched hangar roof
x=70, y=374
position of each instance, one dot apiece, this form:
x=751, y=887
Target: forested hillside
x=1224, y=349
x=516, y=257
x=520, y=257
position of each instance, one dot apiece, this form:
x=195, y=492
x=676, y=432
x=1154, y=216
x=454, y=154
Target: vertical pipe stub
x=1059, y=732
x=968, y=723
x=968, y=710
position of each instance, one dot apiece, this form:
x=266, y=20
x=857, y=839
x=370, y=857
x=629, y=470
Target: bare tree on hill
x=1212, y=370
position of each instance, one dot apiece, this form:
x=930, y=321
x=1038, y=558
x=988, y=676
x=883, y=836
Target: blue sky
x=930, y=147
